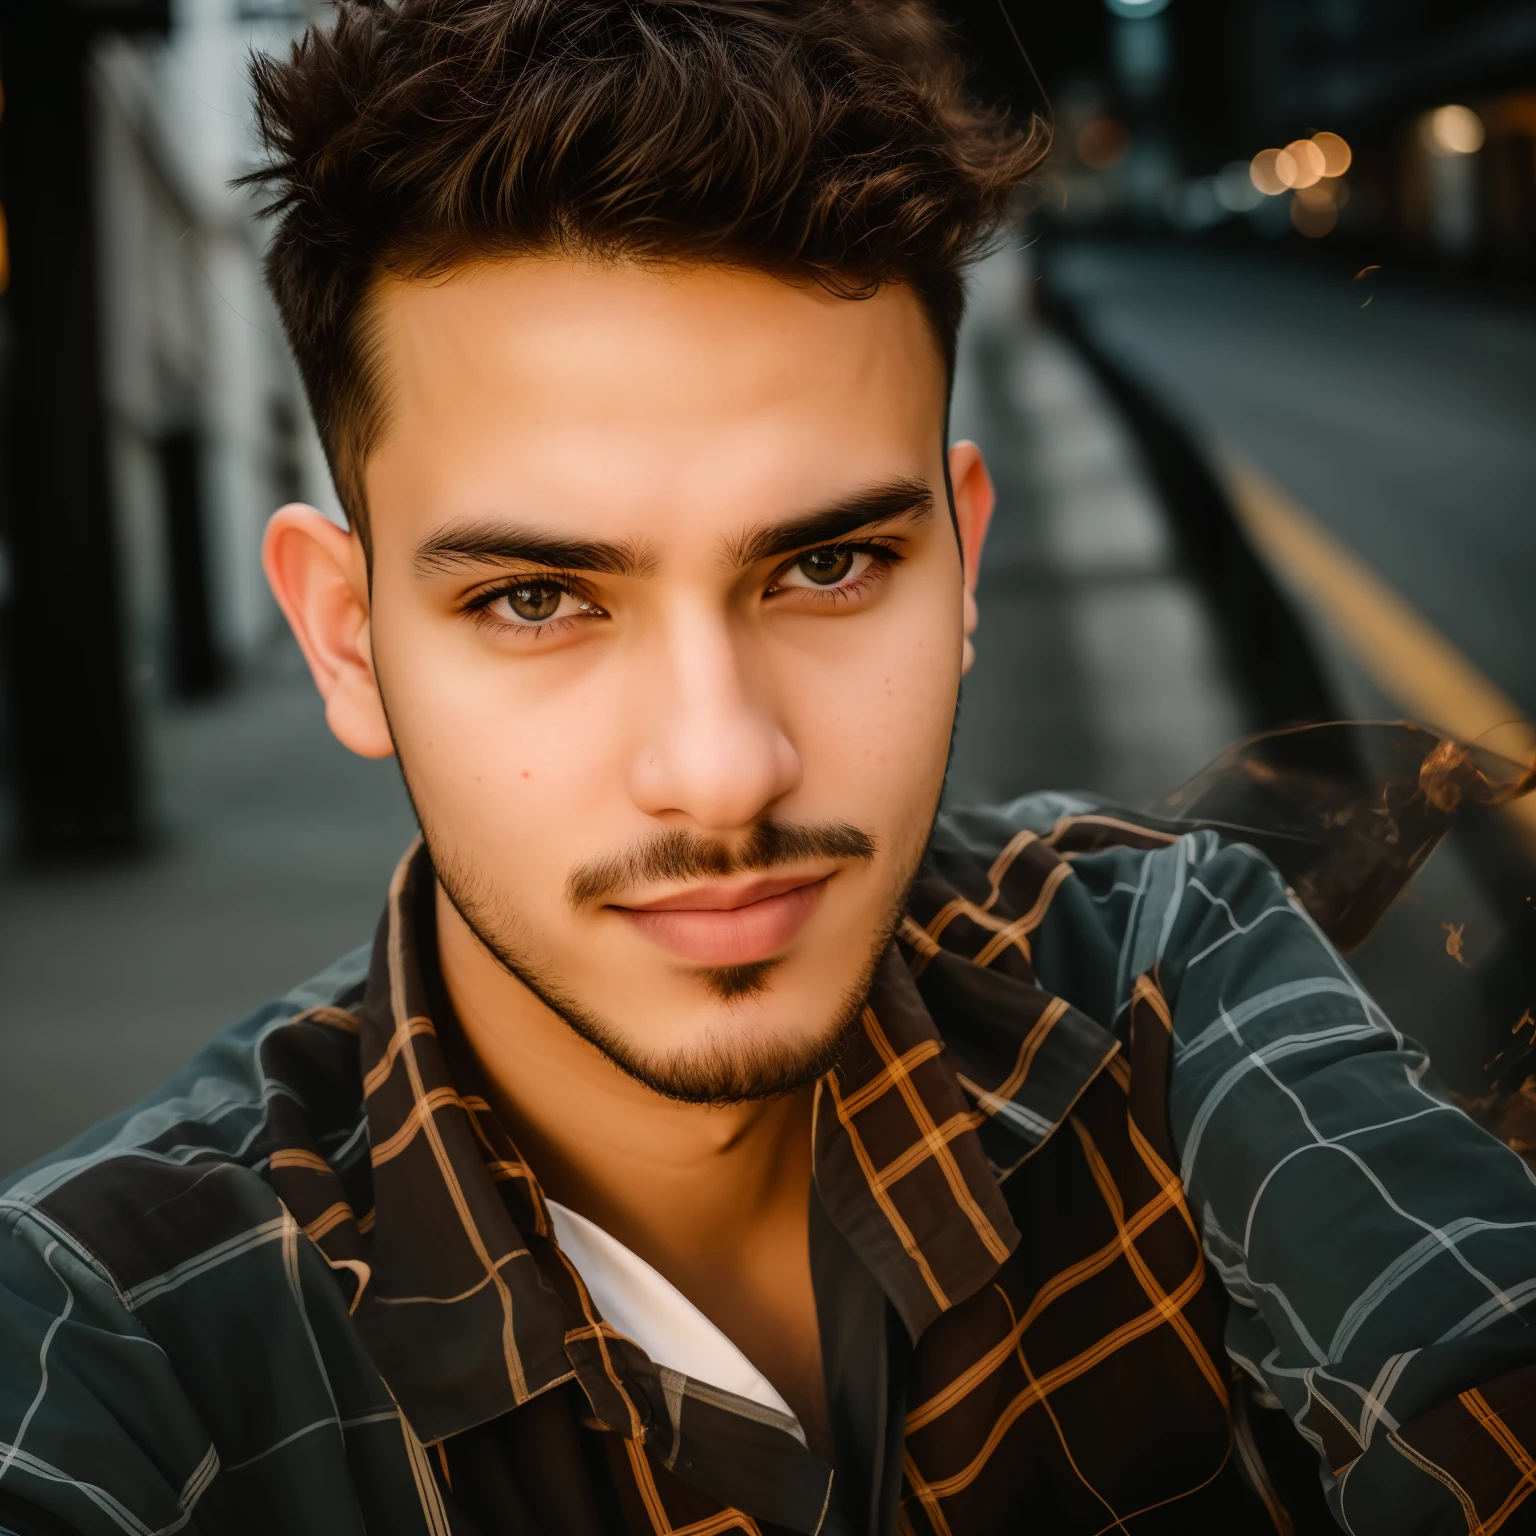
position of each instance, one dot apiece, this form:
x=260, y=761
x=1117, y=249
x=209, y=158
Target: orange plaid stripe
x=882, y=1196
x=424, y=1105
x=1111, y=824
x=420, y=1112
x=1147, y=991
x=936, y=1145
x=337, y=1018
x=920, y=1152
x=928, y=946
x=1050, y=1412
x=1508, y=1442
x=379, y=1073
x=1171, y=1309
x=993, y=1099
x=1057, y=1286
x=877, y=1087
x=1014, y=933
x=331, y=1216
x=298, y=1157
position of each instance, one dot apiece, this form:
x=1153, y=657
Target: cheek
x=499, y=756
x=871, y=715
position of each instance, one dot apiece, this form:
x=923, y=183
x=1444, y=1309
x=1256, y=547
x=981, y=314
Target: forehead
x=612, y=393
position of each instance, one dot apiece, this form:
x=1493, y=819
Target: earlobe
x=974, y=500
x=319, y=577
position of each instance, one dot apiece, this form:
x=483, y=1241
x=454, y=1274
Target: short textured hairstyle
x=829, y=141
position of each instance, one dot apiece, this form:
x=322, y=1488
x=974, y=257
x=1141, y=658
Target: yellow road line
x=1409, y=660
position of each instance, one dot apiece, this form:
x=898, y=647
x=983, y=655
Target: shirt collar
x=467, y=1305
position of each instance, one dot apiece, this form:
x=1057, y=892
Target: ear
x=974, y=500
x=319, y=577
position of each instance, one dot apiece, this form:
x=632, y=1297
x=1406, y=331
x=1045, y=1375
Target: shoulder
x=1101, y=895
x=104, y=1422
x=184, y=1169
x=152, y=1282
x=1002, y=852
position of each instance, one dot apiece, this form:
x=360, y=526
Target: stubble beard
x=728, y=1065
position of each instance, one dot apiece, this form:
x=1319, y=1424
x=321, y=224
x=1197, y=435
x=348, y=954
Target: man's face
x=667, y=618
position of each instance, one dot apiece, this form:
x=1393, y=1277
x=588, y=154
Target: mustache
x=682, y=854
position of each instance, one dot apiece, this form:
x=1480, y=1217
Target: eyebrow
x=476, y=543
x=462, y=544
x=877, y=504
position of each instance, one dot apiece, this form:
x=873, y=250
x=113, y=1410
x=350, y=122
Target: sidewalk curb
x=1267, y=647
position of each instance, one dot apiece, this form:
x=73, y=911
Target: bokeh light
x=1314, y=210
x=1103, y=143
x=1235, y=190
x=1337, y=155
x=1300, y=164
x=1453, y=130
x=1262, y=173
x=1313, y=219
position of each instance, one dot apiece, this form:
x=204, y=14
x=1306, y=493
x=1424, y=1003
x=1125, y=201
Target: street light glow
x=1235, y=190
x=1300, y=164
x=1315, y=210
x=1453, y=130
x=1337, y=155
x=1263, y=172
x=1136, y=10
x=1103, y=143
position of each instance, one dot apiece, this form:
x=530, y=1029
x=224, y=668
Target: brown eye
x=826, y=566
x=534, y=601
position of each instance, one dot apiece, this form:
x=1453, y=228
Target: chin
x=734, y=1060
x=730, y=1035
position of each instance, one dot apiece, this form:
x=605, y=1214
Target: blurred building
x=1438, y=98
x=153, y=417
x=1162, y=105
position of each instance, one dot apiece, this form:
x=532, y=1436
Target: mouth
x=729, y=923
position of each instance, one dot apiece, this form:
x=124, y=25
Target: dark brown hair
x=821, y=140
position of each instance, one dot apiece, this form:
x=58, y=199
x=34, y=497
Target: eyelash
x=477, y=608
x=883, y=557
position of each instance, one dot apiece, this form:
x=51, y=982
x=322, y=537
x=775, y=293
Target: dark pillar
x=73, y=755
x=199, y=668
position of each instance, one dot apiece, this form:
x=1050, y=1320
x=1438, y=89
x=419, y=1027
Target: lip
x=728, y=924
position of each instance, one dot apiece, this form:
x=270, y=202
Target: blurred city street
x=1097, y=663
x=273, y=848
x=1401, y=414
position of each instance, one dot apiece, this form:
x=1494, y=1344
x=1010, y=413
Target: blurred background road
x=1254, y=379
x=1400, y=411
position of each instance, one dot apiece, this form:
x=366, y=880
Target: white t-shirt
x=645, y=1306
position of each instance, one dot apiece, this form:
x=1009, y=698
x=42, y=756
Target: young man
x=710, y=1142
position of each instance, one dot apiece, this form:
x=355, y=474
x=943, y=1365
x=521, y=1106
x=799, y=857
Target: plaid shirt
x=1121, y=1163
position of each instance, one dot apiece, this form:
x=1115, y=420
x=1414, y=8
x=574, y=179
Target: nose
x=712, y=749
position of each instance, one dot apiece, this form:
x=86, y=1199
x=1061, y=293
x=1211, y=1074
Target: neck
x=680, y=1184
